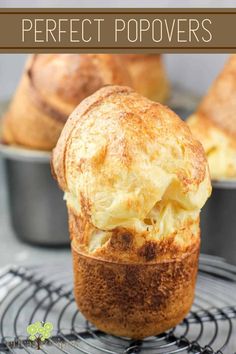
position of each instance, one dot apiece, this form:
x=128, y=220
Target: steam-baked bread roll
x=52, y=85
x=148, y=75
x=135, y=180
x=214, y=123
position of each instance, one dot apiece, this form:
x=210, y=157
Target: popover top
x=124, y=160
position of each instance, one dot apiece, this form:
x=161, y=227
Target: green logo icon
x=39, y=331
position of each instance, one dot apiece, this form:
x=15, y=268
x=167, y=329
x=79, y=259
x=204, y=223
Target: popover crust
x=51, y=87
x=135, y=300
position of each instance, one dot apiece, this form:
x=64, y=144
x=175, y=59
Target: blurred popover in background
x=214, y=123
x=149, y=75
x=52, y=85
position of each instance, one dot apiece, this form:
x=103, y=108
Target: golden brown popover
x=148, y=75
x=135, y=180
x=214, y=123
x=51, y=87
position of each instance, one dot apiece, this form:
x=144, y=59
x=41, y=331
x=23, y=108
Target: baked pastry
x=148, y=75
x=51, y=87
x=135, y=180
x=214, y=123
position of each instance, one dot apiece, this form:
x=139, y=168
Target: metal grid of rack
x=46, y=294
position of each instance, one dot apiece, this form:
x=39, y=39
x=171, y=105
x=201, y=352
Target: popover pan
x=38, y=212
x=218, y=221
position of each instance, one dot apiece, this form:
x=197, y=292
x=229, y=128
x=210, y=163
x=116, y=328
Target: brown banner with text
x=132, y=30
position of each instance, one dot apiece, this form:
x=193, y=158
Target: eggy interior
x=172, y=214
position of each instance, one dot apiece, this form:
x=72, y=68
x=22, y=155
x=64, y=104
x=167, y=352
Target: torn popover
x=135, y=180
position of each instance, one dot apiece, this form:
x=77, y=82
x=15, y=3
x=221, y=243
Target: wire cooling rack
x=46, y=294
